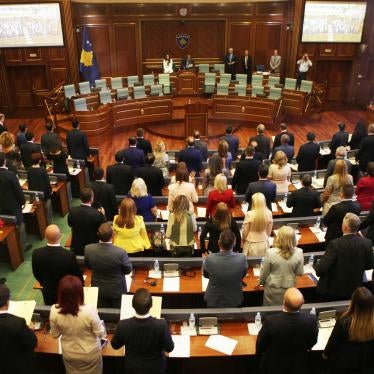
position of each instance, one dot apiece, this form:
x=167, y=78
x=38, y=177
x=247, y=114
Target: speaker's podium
x=196, y=118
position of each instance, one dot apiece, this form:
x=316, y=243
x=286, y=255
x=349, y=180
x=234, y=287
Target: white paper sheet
x=274, y=207
x=204, y=283
x=317, y=182
x=73, y=171
x=221, y=344
x=91, y=295
x=22, y=181
x=128, y=278
x=256, y=271
x=127, y=311
x=323, y=338
x=23, y=309
x=368, y=276
x=244, y=207
x=155, y=274
x=284, y=207
x=164, y=214
x=324, y=151
x=201, y=212
x=171, y=284
x=297, y=185
x=320, y=234
x=308, y=269
x=27, y=208
x=294, y=167
x=181, y=346
x=252, y=329
x=186, y=330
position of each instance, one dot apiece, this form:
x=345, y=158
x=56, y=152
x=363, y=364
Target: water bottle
x=156, y=266
x=78, y=164
x=199, y=232
x=162, y=229
x=285, y=197
x=191, y=321
x=311, y=260
x=315, y=174
x=318, y=222
x=313, y=312
x=258, y=321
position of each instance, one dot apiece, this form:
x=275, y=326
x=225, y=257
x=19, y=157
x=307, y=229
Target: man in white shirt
x=304, y=64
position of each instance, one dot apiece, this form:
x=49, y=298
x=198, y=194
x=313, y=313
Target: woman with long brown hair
x=221, y=220
x=79, y=327
x=223, y=152
x=350, y=348
x=215, y=167
x=129, y=229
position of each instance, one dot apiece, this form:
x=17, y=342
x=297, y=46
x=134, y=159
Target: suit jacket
x=105, y=196
x=145, y=145
x=304, y=201
x=334, y=218
x=11, y=195
x=134, y=157
x=121, y=177
x=368, y=222
x=17, y=345
x=287, y=149
x=277, y=139
x=153, y=178
x=203, y=148
x=3, y=128
x=233, y=142
x=192, y=158
x=230, y=68
x=225, y=271
x=246, y=172
x=307, y=156
x=84, y=222
x=265, y=186
x=331, y=166
x=275, y=62
x=37, y=179
x=77, y=144
x=185, y=63
x=145, y=340
x=263, y=144
x=248, y=69
x=20, y=139
x=109, y=264
x=49, y=141
x=342, y=266
x=366, y=152
x=27, y=149
x=49, y=265
x=284, y=340
x=338, y=139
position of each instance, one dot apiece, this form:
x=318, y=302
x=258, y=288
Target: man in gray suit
x=275, y=62
x=109, y=265
x=225, y=271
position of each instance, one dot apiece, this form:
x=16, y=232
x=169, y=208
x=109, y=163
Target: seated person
x=187, y=63
x=220, y=194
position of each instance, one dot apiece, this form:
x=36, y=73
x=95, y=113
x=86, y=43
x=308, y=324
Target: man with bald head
x=285, y=337
x=191, y=156
x=53, y=262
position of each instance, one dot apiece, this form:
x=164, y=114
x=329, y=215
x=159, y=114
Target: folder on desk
x=201, y=212
x=181, y=346
x=323, y=338
x=127, y=311
x=22, y=309
x=27, y=208
x=91, y=294
x=171, y=284
x=164, y=214
x=274, y=207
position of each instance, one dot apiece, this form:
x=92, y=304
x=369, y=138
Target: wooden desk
x=37, y=218
x=294, y=102
x=60, y=198
x=80, y=178
x=9, y=235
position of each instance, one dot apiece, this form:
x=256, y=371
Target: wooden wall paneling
x=268, y=38
x=298, y=7
x=271, y=8
x=21, y=92
x=57, y=75
x=33, y=55
x=327, y=49
x=12, y=55
x=5, y=102
x=56, y=54
x=346, y=50
x=125, y=49
x=240, y=39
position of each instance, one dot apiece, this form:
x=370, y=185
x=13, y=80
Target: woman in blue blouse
x=145, y=203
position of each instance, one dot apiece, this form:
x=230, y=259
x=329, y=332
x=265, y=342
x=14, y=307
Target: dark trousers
x=301, y=75
x=249, y=75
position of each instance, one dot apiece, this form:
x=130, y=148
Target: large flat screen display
x=337, y=22
x=30, y=25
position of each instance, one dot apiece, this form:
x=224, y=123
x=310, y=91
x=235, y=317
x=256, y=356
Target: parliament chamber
x=175, y=76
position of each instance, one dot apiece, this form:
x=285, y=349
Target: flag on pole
x=88, y=65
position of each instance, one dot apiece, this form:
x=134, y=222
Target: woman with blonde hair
x=280, y=172
x=12, y=155
x=221, y=220
x=257, y=226
x=161, y=157
x=129, y=229
x=340, y=177
x=145, y=204
x=181, y=227
x=223, y=152
x=350, y=348
x=282, y=264
x=220, y=193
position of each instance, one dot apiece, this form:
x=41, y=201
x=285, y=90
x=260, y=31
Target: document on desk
x=156, y=274
x=244, y=207
x=91, y=295
x=204, y=283
x=368, y=275
x=164, y=214
x=324, y=151
x=128, y=278
x=323, y=337
x=201, y=212
x=317, y=182
x=256, y=271
x=171, y=284
x=221, y=344
x=23, y=309
x=127, y=311
x=253, y=329
x=297, y=185
x=308, y=269
x=182, y=344
x=73, y=171
x=284, y=207
x=274, y=207
x=22, y=181
x=27, y=208
x=320, y=234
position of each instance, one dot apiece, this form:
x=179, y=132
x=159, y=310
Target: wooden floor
x=323, y=125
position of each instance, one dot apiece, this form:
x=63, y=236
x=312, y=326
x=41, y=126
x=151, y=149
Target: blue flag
x=88, y=65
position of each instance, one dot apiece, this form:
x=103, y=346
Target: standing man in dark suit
x=104, y=195
x=17, y=341
x=232, y=141
x=225, y=270
x=77, y=142
x=262, y=142
x=342, y=267
x=37, y=177
x=187, y=63
x=247, y=66
x=340, y=138
x=246, y=172
x=304, y=200
x=21, y=135
x=308, y=154
x=191, y=156
x=263, y=185
x=3, y=128
x=334, y=217
x=366, y=152
x=200, y=145
x=141, y=143
x=133, y=156
x=283, y=130
x=285, y=337
x=152, y=176
x=145, y=338
x=51, y=263
x=230, y=61
x=27, y=149
x=50, y=140
x=84, y=221
x=284, y=147
x=109, y=265
x=120, y=175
